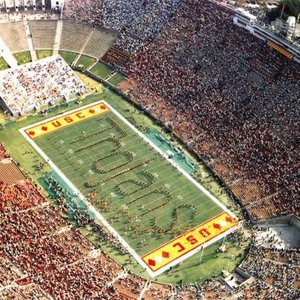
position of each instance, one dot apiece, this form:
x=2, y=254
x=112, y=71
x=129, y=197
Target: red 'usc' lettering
x=79, y=115
x=204, y=233
x=56, y=124
x=191, y=240
x=68, y=119
x=181, y=248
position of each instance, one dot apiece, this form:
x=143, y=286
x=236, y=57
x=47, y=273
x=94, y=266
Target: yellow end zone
x=189, y=241
x=66, y=120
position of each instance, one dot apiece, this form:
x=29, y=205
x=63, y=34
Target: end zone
x=67, y=119
x=190, y=240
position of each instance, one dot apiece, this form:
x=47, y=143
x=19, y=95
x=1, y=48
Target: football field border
x=181, y=257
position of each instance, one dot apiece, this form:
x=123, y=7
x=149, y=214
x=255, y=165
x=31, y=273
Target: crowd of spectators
x=3, y=152
x=43, y=256
x=18, y=197
x=231, y=98
x=38, y=84
x=130, y=286
x=148, y=20
x=278, y=268
x=84, y=10
x=137, y=21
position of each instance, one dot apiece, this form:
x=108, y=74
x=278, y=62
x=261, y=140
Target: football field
x=156, y=210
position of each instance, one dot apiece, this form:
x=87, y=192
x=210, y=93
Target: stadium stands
x=9, y=172
x=230, y=100
x=83, y=10
x=230, y=97
x=136, y=21
x=116, y=57
x=40, y=83
x=74, y=35
x=277, y=268
x=14, y=36
x=43, y=33
x=99, y=43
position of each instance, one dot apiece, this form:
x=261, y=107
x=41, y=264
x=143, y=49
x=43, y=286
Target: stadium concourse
x=227, y=95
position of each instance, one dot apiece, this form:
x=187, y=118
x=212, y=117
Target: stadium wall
x=295, y=221
x=277, y=220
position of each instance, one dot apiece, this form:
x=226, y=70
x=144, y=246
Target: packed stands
x=3, y=152
x=253, y=288
x=7, y=274
x=116, y=57
x=275, y=267
x=130, y=286
x=151, y=18
x=28, y=291
x=136, y=21
x=119, y=14
x=43, y=33
x=40, y=83
x=83, y=10
x=20, y=196
x=158, y=291
x=44, y=220
x=230, y=97
x=213, y=83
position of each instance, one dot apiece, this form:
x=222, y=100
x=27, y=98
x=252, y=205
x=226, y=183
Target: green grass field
x=23, y=57
x=3, y=64
x=116, y=79
x=85, y=61
x=102, y=70
x=145, y=198
x=43, y=53
x=68, y=56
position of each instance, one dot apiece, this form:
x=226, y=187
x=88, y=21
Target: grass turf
x=92, y=85
x=102, y=70
x=68, y=56
x=150, y=203
x=116, y=79
x=3, y=64
x=85, y=61
x=43, y=53
x=23, y=57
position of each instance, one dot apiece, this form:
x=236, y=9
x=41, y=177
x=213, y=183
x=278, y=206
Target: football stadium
x=149, y=149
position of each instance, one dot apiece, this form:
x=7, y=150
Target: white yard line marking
x=101, y=218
